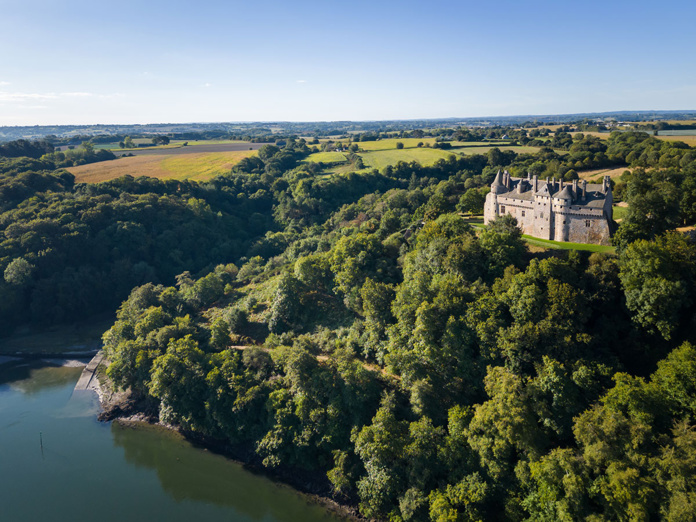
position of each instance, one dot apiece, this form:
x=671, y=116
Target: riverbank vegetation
x=354, y=326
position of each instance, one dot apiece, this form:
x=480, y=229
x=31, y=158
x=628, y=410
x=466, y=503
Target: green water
x=108, y=472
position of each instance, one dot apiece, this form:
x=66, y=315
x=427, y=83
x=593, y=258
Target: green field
x=484, y=150
x=382, y=153
x=620, y=212
x=327, y=157
x=559, y=245
x=382, y=158
x=390, y=144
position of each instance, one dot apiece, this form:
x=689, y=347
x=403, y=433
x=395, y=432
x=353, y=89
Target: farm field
x=199, y=166
x=410, y=143
x=688, y=139
x=177, y=145
x=383, y=153
x=612, y=173
x=196, y=147
x=382, y=158
x=327, y=157
x=484, y=150
x=390, y=144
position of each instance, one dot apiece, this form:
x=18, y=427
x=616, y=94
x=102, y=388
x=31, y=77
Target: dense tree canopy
x=354, y=326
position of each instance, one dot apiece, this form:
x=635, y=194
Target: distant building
x=574, y=212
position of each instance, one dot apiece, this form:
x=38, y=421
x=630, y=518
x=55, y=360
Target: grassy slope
x=620, y=212
x=327, y=157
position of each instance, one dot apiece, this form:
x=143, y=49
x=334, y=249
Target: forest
x=356, y=327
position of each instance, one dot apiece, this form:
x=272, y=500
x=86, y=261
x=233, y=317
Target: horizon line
x=463, y=118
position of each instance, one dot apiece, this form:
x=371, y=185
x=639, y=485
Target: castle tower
x=561, y=204
x=497, y=186
x=490, y=207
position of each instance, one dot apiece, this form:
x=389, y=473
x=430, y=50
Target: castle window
x=587, y=223
x=564, y=222
x=502, y=209
x=523, y=213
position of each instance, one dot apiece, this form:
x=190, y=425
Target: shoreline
x=119, y=406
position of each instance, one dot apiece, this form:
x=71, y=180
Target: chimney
x=520, y=186
x=575, y=189
x=507, y=179
x=535, y=183
x=606, y=184
x=560, y=184
x=583, y=186
x=529, y=175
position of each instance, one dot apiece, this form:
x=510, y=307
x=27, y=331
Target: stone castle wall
x=546, y=217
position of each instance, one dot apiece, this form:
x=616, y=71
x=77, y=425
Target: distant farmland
x=382, y=153
x=192, y=165
x=382, y=158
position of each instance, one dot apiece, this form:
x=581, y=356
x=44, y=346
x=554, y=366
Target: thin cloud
x=25, y=96
x=207, y=85
x=4, y=84
x=28, y=97
x=301, y=81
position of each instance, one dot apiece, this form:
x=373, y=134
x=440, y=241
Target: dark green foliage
x=24, y=148
x=429, y=370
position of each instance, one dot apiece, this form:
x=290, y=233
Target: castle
x=575, y=212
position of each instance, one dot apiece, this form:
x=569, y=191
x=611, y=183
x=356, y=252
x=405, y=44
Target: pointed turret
x=497, y=186
x=566, y=193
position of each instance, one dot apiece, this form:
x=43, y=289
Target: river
x=58, y=463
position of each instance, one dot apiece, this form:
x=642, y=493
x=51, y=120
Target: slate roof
x=594, y=199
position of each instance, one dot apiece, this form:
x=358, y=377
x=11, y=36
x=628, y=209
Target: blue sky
x=75, y=62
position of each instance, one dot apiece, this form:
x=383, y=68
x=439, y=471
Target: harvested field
x=199, y=166
x=196, y=147
x=612, y=173
x=688, y=139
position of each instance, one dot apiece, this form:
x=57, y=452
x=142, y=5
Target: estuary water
x=58, y=463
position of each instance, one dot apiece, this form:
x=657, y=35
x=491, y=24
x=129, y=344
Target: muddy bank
x=123, y=407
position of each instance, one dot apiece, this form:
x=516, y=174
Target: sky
x=79, y=62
